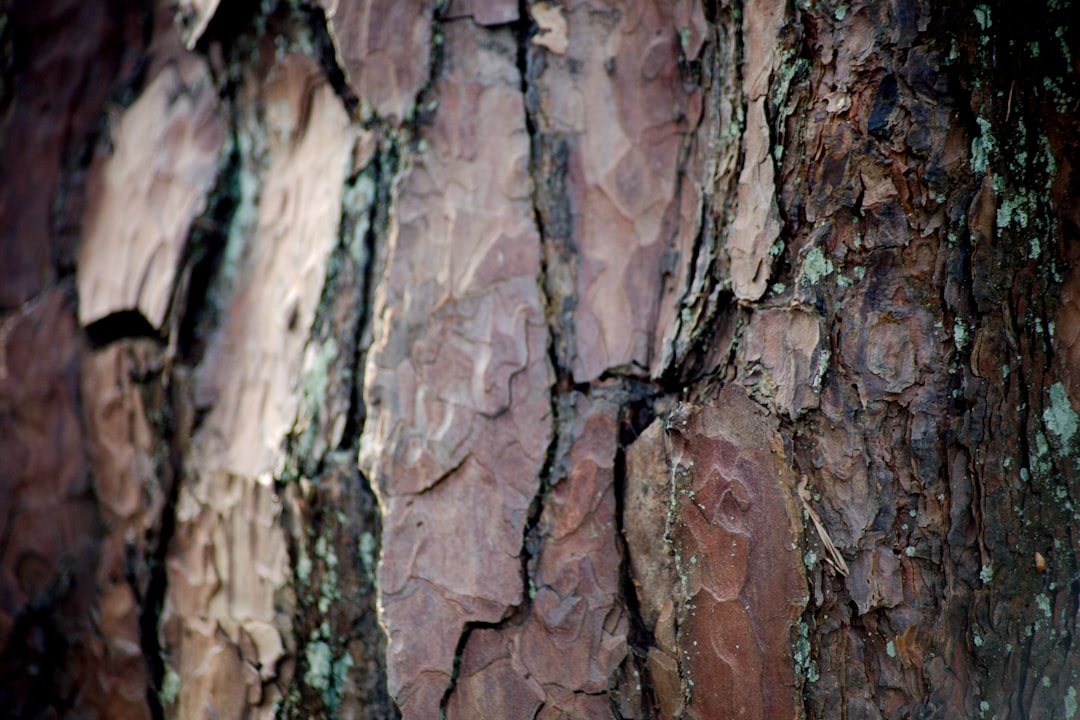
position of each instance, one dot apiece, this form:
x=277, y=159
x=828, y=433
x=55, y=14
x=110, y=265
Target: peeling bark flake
x=146, y=194
x=229, y=559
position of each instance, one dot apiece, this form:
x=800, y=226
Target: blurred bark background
x=486, y=358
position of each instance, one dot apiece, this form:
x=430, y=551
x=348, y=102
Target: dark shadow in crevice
x=121, y=325
x=326, y=54
x=635, y=415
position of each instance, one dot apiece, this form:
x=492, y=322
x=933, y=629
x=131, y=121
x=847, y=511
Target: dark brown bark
x=499, y=359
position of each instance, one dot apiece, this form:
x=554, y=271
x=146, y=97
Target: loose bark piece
x=645, y=518
x=132, y=478
x=384, y=48
x=781, y=358
x=251, y=372
x=229, y=560
x=144, y=197
x=756, y=226
x=561, y=655
x=614, y=99
x=457, y=380
x=724, y=646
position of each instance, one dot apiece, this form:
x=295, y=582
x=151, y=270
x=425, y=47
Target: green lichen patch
x=815, y=267
x=1059, y=416
x=805, y=666
x=170, y=687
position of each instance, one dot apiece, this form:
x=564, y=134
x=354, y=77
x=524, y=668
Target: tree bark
x=480, y=358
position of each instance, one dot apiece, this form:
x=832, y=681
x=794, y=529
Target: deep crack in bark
x=531, y=540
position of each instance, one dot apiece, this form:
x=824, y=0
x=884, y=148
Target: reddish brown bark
x=495, y=359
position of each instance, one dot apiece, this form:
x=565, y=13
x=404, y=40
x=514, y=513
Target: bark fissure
x=385, y=165
x=532, y=538
x=154, y=599
x=636, y=413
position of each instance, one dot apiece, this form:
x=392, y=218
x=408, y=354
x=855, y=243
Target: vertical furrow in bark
x=555, y=658
x=332, y=513
x=695, y=267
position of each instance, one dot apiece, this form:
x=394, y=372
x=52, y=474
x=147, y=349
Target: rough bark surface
x=508, y=359
x=724, y=611
x=457, y=380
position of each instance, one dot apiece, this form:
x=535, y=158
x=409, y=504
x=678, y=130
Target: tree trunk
x=374, y=358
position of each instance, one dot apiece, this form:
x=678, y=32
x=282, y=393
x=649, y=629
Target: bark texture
x=485, y=358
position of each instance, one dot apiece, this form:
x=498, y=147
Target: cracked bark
x=524, y=359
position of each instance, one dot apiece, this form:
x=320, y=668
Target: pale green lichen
x=329, y=585
x=320, y=661
x=1059, y=416
x=960, y=334
x=982, y=147
x=1012, y=208
x=1042, y=464
x=357, y=199
x=303, y=566
x=1059, y=33
x=170, y=687
x=249, y=142
x=316, y=379
x=815, y=266
x=367, y=553
x=1070, y=703
x=326, y=673
x=822, y=368
x=982, y=16
x=341, y=674
x=1043, y=603
x=804, y=662
x=986, y=574
x=890, y=649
